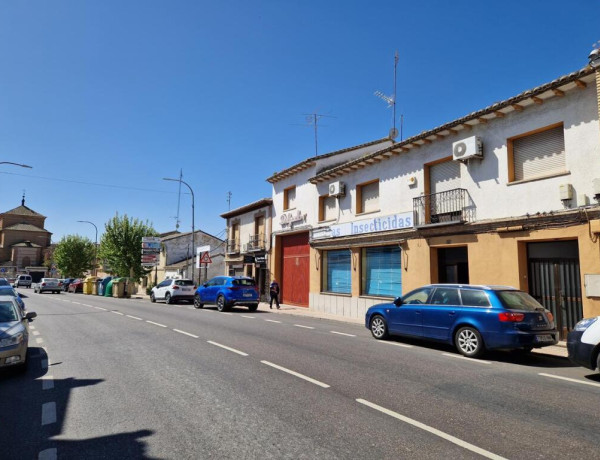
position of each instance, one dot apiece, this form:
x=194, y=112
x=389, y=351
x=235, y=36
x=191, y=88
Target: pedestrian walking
x=274, y=293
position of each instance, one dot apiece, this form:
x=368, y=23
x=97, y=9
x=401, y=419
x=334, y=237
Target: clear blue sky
x=104, y=98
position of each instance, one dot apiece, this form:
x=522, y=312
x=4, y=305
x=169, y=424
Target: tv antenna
x=229, y=201
x=391, y=101
x=313, y=120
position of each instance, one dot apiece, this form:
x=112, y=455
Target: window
x=367, y=197
x=537, y=154
x=184, y=283
x=381, y=273
x=472, y=298
x=327, y=208
x=289, y=198
x=243, y=282
x=417, y=296
x=337, y=272
x=444, y=176
x=445, y=296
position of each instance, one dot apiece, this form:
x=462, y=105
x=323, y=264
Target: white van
x=22, y=280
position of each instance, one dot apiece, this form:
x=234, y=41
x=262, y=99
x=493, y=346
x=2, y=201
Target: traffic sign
x=205, y=259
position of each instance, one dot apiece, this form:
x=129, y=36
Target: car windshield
x=243, y=282
x=8, y=312
x=3, y=282
x=184, y=283
x=518, y=300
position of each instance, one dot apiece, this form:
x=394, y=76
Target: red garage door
x=295, y=269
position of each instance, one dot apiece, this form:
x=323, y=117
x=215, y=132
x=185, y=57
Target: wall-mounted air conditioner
x=467, y=149
x=337, y=189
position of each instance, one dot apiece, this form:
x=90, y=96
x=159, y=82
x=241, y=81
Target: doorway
x=453, y=265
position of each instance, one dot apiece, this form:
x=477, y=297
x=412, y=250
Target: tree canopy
x=74, y=255
x=121, y=245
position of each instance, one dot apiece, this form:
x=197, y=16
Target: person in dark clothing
x=274, y=292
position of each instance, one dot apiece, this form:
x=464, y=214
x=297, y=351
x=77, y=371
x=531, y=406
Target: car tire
x=197, y=303
x=221, y=306
x=253, y=307
x=168, y=299
x=598, y=362
x=468, y=342
x=378, y=327
x=152, y=298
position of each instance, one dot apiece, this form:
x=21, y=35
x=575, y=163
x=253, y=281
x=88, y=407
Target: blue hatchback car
x=228, y=291
x=472, y=318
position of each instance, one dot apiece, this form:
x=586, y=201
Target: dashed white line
x=429, y=429
x=100, y=308
x=273, y=321
x=48, y=454
x=47, y=382
x=227, y=348
x=134, y=317
x=36, y=332
x=223, y=312
x=118, y=313
x=304, y=327
x=86, y=305
x=48, y=413
x=402, y=345
x=186, y=333
x=583, y=382
x=32, y=328
x=77, y=303
x=342, y=333
x=248, y=316
x=39, y=340
x=296, y=374
x=156, y=324
x=478, y=361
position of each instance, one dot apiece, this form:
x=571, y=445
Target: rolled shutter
x=444, y=176
x=540, y=154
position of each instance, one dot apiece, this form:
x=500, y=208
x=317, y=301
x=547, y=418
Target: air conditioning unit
x=467, y=149
x=337, y=189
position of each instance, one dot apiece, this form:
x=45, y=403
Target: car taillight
x=550, y=316
x=511, y=317
x=43, y=284
x=175, y=287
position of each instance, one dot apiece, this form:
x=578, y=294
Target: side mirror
x=29, y=316
x=398, y=301
x=205, y=285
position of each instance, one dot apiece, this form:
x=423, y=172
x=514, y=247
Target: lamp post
x=95, y=245
x=193, y=230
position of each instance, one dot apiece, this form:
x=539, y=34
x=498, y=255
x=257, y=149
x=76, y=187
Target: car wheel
x=152, y=298
x=197, y=303
x=168, y=298
x=253, y=307
x=468, y=341
x=220, y=303
x=598, y=362
x=379, y=327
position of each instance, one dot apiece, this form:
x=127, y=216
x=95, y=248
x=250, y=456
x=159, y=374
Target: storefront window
x=337, y=272
x=381, y=271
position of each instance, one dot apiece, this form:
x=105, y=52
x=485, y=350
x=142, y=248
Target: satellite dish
x=393, y=133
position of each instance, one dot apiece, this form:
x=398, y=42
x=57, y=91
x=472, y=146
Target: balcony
x=256, y=243
x=443, y=208
x=233, y=246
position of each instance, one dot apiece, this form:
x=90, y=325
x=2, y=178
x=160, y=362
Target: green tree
x=121, y=245
x=74, y=255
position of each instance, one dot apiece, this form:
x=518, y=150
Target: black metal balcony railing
x=447, y=207
x=233, y=246
x=256, y=243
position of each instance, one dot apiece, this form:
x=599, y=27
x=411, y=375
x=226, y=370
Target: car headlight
x=14, y=340
x=585, y=323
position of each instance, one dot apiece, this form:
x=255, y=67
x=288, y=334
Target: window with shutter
x=289, y=198
x=337, y=272
x=327, y=208
x=381, y=273
x=538, y=154
x=367, y=197
x=444, y=176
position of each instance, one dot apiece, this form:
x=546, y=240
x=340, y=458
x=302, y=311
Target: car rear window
x=184, y=283
x=518, y=300
x=474, y=298
x=7, y=312
x=243, y=282
x=3, y=282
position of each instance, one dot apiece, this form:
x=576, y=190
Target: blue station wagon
x=228, y=291
x=472, y=318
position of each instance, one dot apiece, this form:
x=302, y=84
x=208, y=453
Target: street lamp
x=16, y=164
x=193, y=230
x=95, y=245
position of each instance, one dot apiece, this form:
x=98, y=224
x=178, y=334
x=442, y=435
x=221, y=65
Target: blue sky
x=105, y=98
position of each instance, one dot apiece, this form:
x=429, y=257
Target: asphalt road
x=125, y=378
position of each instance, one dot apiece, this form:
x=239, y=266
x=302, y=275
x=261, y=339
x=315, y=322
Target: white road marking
x=441, y=434
x=44, y=364
x=32, y=328
x=342, y=333
x=227, y=348
x=186, y=333
x=36, y=332
x=86, y=305
x=39, y=340
x=118, y=313
x=479, y=361
x=48, y=454
x=273, y=321
x=402, y=345
x=47, y=382
x=76, y=303
x=296, y=374
x=134, y=317
x=224, y=313
x=305, y=327
x=583, y=382
x=100, y=308
x=247, y=316
x=48, y=413
x=156, y=324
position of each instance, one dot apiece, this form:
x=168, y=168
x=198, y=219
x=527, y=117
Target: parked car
x=583, y=343
x=22, y=280
x=472, y=318
x=10, y=291
x=172, y=290
x=4, y=282
x=47, y=285
x=65, y=283
x=14, y=333
x=76, y=285
x=226, y=292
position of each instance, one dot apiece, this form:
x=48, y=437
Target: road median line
x=296, y=374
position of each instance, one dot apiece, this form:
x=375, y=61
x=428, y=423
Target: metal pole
x=95, y=246
x=193, y=229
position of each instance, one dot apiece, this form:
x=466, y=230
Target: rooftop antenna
x=313, y=119
x=229, y=201
x=177, y=221
x=391, y=101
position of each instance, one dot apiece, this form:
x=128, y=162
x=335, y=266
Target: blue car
x=226, y=292
x=472, y=318
x=8, y=290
